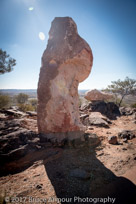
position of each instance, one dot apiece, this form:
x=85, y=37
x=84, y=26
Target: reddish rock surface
x=95, y=95
x=66, y=62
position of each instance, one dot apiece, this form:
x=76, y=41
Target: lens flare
x=31, y=8
x=41, y=36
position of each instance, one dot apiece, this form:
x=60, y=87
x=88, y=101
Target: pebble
x=112, y=140
x=39, y=186
x=124, y=148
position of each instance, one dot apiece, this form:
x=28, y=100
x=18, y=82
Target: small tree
x=6, y=62
x=126, y=87
x=4, y=101
x=22, y=98
x=33, y=102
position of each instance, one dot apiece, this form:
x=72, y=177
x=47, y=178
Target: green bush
x=25, y=107
x=133, y=105
x=4, y=101
x=33, y=102
x=22, y=98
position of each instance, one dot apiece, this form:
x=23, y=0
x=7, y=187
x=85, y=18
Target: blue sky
x=109, y=26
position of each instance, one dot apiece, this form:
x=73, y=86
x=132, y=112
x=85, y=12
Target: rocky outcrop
x=14, y=136
x=13, y=112
x=126, y=111
x=66, y=62
x=95, y=119
x=99, y=120
x=110, y=109
x=95, y=95
x=18, y=140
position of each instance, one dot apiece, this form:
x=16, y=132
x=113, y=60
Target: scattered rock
x=14, y=113
x=79, y=173
x=125, y=140
x=66, y=62
x=98, y=122
x=90, y=128
x=127, y=111
x=82, y=117
x=112, y=140
x=85, y=106
x=124, y=148
x=108, y=132
x=7, y=126
x=95, y=95
x=92, y=139
x=134, y=116
x=39, y=186
x=126, y=134
x=31, y=113
x=97, y=119
x=2, y=116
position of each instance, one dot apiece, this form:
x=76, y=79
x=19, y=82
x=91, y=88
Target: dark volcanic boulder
x=110, y=109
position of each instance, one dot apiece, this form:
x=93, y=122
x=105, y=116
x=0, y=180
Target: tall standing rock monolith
x=66, y=62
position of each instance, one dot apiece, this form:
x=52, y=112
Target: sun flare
x=31, y=8
x=41, y=36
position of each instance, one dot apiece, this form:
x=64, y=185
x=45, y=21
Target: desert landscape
x=59, y=143
x=94, y=168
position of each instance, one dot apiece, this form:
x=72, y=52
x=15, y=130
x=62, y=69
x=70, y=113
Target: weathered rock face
x=66, y=62
x=95, y=95
x=110, y=109
x=96, y=119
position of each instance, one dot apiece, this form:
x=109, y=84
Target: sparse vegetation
x=22, y=98
x=24, y=104
x=122, y=88
x=26, y=107
x=6, y=62
x=4, y=101
x=133, y=105
x=33, y=102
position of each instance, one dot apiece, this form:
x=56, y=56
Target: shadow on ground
x=78, y=173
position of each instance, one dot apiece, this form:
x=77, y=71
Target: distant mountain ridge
x=31, y=92
x=13, y=92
